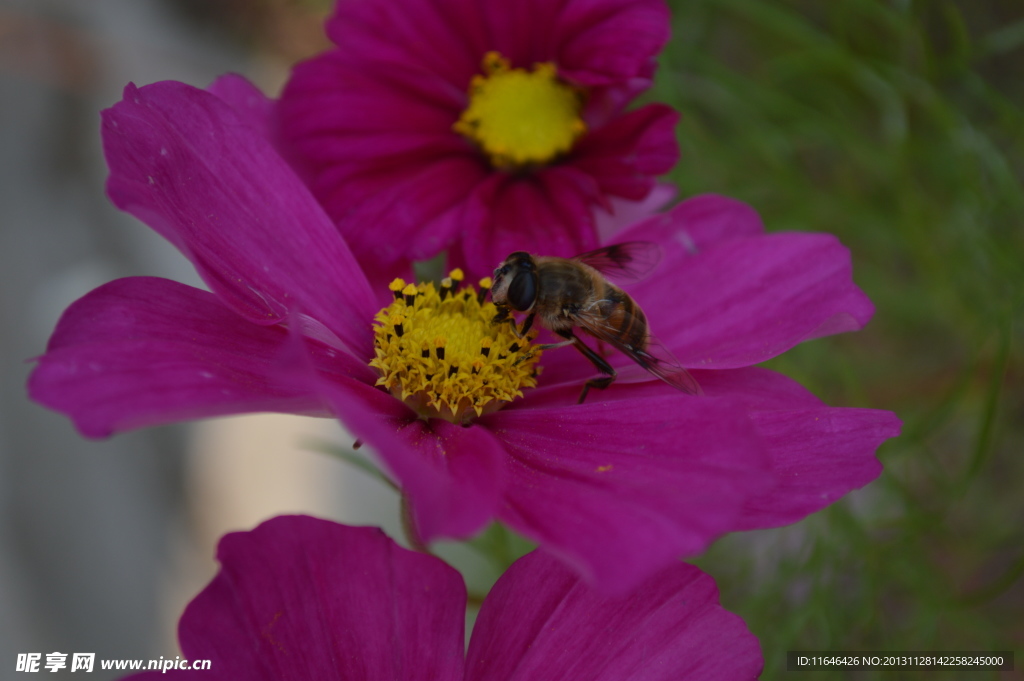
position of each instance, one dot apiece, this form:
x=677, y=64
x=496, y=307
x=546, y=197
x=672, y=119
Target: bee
x=565, y=293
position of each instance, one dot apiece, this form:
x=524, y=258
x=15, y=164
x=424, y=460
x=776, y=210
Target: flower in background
x=301, y=598
x=482, y=126
x=618, y=487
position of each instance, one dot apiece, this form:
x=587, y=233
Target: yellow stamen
x=521, y=118
x=445, y=358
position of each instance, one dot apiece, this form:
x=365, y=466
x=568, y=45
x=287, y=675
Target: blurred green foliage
x=897, y=126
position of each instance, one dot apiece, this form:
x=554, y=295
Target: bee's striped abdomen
x=626, y=317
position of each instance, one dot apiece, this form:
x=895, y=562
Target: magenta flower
x=618, y=487
x=480, y=126
x=299, y=598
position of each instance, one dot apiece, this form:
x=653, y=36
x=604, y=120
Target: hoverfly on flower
x=567, y=293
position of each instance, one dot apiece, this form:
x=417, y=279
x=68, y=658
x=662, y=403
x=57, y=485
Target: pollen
x=521, y=118
x=438, y=350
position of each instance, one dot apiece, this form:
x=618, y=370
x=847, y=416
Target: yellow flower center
x=519, y=117
x=438, y=350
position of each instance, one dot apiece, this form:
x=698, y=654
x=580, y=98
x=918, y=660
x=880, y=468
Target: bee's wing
x=655, y=358
x=626, y=262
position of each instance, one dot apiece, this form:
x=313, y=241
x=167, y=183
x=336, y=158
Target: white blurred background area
x=103, y=542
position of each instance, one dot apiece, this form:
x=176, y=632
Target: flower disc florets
x=438, y=350
x=521, y=118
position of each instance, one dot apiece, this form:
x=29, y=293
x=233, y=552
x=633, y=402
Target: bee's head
x=515, y=282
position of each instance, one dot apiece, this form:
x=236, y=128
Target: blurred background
x=896, y=125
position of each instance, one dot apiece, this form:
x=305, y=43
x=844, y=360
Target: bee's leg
x=502, y=316
x=505, y=315
x=526, y=326
x=545, y=346
x=599, y=383
x=597, y=360
x=553, y=346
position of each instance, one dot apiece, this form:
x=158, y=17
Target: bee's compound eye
x=522, y=291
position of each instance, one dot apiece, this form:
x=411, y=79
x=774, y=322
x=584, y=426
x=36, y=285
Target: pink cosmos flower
x=480, y=126
x=299, y=598
x=618, y=487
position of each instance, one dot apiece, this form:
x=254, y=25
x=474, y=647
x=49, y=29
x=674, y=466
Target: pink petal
x=626, y=154
x=604, y=41
x=444, y=40
x=593, y=42
x=414, y=214
x=620, y=487
x=339, y=109
x=541, y=622
x=299, y=598
x=818, y=453
x=548, y=212
x=695, y=223
x=143, y=351
x=469, y=464
x=184, y=162
x=623, y=213
x=377, y=146
x=451, y=476
x=737, y=302
x=247, y=100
